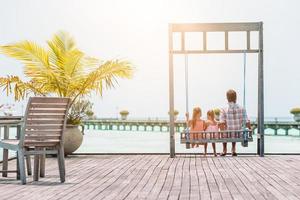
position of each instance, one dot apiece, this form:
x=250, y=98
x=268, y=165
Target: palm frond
x=20, y=89
x=106, y=75
x=35, y=59
x=62, y=41
x=61, y=69
x=31, y=54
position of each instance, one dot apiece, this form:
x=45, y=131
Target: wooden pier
x=161, y=177
x=163, y=125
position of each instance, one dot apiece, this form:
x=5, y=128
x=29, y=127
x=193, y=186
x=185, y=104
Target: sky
x=137, y=30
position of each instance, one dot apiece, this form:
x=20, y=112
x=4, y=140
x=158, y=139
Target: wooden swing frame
x=204, y=28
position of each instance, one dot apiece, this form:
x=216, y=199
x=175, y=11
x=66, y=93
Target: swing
x=244, y=135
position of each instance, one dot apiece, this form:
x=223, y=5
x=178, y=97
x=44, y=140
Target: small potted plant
x=124, y=114
x=79, y=111
x=296, y=113
x=176, y=113
x=217, y=112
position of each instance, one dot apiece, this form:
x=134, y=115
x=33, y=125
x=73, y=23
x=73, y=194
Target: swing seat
x=200, y=137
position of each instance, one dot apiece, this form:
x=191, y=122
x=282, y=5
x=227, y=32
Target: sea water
x=96, y=141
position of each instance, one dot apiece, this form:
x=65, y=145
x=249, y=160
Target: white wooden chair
x=42, y=132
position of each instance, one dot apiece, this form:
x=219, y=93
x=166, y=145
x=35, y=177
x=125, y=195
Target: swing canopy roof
x=247, y=27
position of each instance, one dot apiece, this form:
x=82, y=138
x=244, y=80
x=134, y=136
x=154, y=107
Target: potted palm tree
x=296, y=113
x=124, y=114
x=60, y=69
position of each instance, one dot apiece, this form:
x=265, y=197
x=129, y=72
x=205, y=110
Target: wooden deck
x=160, y=177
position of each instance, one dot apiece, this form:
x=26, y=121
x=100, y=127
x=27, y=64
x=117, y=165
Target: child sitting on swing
x=196, y=124
x=211, y=126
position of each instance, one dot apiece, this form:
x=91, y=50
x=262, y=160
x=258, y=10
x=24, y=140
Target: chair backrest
x=44, y=121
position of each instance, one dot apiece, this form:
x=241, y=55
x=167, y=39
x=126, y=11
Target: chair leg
x=22, y=166
x=61, y=164
x=17, y=166
x=5, y=153
x=36, y=168
x=28, y=165
x=5, y=162
x=42, y=164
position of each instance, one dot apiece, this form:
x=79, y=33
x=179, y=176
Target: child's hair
x=196, y=111
x=211, y=114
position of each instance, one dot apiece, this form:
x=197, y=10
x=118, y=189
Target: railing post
x=276, y=126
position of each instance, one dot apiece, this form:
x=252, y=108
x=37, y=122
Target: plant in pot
x=176, y=113
x=79, y=111
x=60, y=69
x=124, y=114
x=296, y=113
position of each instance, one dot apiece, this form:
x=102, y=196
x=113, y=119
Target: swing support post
x=171, y=95
x=205, y=28
x=260, y=110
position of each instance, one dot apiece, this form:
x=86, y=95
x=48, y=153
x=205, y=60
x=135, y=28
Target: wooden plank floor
x=160, y=177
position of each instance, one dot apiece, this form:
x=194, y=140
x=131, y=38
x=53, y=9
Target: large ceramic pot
x=72, y=139
x=297, y=117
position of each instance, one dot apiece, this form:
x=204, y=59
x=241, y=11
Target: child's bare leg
x=205, y=149
x=214, y=148
x=197, y=137
x=192, y=138
x=224, y=149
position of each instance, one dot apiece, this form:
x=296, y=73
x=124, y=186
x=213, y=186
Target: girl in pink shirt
x=211, y=125
x=196, y=124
